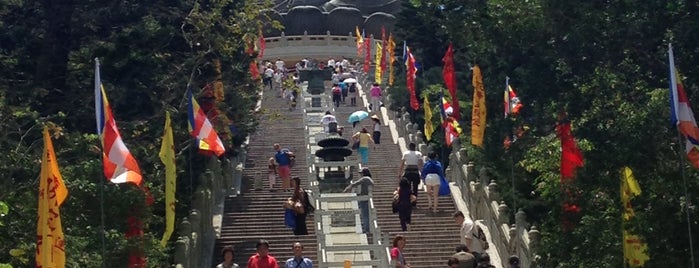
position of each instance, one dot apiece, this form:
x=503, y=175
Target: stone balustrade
x=480, y=193
x=199, y=230
x=321, y=47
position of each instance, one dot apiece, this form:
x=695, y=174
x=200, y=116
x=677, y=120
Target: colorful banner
x=360, y=41
x=429, y=128
x=119, y=165
x=391, y=58
x=410, y=79
x=367, y=54
x=384, y=46
x=681, y=113
x=478, y=113
x=50, y=245
x=167, y=157
x=450, y=80
x=635, y=250
x=571, y=157
x=201, y=128
x=377, y=63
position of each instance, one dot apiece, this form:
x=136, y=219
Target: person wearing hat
x=377, y=129
x=262, y=259
x=362, y=187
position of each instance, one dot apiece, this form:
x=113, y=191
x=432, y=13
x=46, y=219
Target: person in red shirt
x=262, y=259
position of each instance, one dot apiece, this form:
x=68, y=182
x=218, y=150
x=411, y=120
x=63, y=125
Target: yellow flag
x=478, y=113
x=629, y=189
x=635, y=250
x=167, y=156
x=429, y=128
x=360, y=41
x=50, y=246
x=377, y=62
x=391, y=58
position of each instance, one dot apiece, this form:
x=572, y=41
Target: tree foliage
x=605, y=65
x=150, y=52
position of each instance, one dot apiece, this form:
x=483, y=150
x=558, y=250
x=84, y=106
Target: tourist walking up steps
x=283, y=159
x=271, y=173
x=376, y=125
x=364, y=139
x=337, y=95
x=410, y=165
x=375, y=94
x=402, y=203
x=363, y=187
x=432, y=173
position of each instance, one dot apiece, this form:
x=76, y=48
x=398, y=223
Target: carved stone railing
x=321, y=47
x=484, y=202
x=199, y=230
x=478, y=192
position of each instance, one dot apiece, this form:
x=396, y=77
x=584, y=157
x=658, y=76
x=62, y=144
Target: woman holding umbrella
x=355, y=117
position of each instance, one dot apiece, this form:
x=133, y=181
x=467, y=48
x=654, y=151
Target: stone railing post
x=183, y=246
x=534, y=239
x=471, y=172
x=282, y=40
x=493, y=191
x=194, y=254
x=513, y=243
x=503, y=213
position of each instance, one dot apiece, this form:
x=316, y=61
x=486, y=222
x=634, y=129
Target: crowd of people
x=414, y=169
x=263, y=259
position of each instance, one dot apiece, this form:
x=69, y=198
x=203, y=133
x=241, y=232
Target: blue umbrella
x=357, y=116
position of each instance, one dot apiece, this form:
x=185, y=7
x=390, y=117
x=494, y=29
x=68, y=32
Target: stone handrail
x=321, y=47
x=199, y=230
x=310, y=40
x=483, y=203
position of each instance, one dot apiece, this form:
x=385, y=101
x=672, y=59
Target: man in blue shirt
x=298, y=261
x=283, y=159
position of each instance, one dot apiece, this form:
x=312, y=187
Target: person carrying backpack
x=284, y=159
x=337, y=95
x=353, y=94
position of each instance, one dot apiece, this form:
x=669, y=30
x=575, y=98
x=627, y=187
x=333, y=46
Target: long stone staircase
x=257, y=213
x=431, y=238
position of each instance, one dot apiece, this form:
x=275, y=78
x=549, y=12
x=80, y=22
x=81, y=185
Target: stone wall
x=198, y=231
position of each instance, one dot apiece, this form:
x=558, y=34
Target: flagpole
x=686, y=196
x=508, y=132
x=102, y=225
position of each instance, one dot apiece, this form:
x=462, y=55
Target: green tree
x=605, y=64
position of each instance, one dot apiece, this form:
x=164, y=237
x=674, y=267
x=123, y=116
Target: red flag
x=254, y=72
x=367, y=54
x=450, y=80
x=263, y=44
x=571, y=157
x=411, y=71
x=384, y=45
